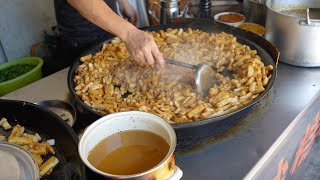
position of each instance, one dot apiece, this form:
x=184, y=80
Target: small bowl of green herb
x=18, y=73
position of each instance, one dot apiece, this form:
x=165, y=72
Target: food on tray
x=3, y=137
x=48, y=165
x=4, y=123
x=111, y=81
x=252, y=27
x=129, y=152
x=231, y=17
x=32, y=143
x=15, y=71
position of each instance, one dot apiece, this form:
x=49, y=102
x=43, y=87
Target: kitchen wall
x=22, y=23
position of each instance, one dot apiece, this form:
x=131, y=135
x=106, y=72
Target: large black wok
x=48, y=125
x=265, y=49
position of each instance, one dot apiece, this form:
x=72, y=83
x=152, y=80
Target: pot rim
x=268, y=5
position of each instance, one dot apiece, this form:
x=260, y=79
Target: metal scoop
x=204, y=75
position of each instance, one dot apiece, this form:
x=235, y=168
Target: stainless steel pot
x=168, y=9
x=255, y=11
x=296, y=36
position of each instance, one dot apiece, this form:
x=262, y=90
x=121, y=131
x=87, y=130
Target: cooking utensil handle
x=308, y=14
x=308, y=21
x=179, y=63
x=152, y=11
x=186, y=9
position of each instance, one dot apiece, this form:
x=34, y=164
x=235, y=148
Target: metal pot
x=296, y=36
x=126, y=121
x=255, y=11
x=168, y=9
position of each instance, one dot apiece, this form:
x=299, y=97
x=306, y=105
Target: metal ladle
x=204, y=75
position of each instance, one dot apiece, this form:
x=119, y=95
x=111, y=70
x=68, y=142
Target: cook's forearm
x=99, y=13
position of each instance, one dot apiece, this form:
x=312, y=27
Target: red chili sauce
x=231, y=18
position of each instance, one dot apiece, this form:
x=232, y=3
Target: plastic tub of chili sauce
x=230, y=18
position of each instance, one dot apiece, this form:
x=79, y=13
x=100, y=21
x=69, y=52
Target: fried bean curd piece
x=4, y=123
x=3, y=137
x=20, y=140
x=17, y=131
x=49, y=164
x=38, y=159
x=34, y=138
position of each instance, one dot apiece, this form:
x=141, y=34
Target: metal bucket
x=296, y=36
x=255, y=11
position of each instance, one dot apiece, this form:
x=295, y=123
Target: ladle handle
x=179, y=63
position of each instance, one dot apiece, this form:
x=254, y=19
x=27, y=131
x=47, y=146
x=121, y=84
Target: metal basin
x=297, y=39
x=255, y=11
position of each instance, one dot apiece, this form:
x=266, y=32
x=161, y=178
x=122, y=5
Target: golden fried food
x=4, y=123
x=32, y=144
x=111, y=81
x=252, y=27
x=48, y=165
x=3, y=137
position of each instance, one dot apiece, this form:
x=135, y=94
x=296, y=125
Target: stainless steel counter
x=231, y=154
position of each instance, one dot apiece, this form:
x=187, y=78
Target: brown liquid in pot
x=128, y=152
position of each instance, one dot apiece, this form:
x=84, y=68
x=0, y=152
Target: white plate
x=235, y=24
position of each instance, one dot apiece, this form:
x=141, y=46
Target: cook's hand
x=128, y=11
x=143, y=48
